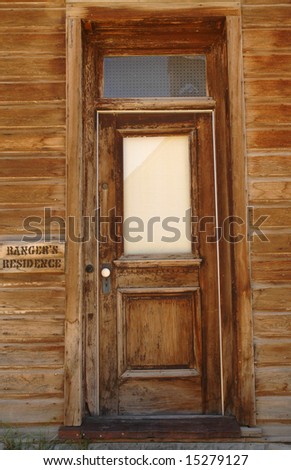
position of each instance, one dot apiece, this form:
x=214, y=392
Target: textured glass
x=154, y=76
x=156, y=173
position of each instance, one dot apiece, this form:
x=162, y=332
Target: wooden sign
x=32, y=257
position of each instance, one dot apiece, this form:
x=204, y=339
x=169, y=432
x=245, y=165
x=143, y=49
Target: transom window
x=155, y=76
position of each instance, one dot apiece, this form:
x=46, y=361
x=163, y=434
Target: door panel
x=158, y=309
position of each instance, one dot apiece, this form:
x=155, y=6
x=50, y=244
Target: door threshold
x=154, y=428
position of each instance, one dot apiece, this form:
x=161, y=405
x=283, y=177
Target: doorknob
x=105, y=274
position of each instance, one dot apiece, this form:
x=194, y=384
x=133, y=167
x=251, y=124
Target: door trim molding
x=239, y=381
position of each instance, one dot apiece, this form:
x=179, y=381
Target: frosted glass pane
x=156, y=195
x=154, y=76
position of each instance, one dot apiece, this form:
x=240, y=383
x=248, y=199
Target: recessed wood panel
x=159, y=396
x=159, y=329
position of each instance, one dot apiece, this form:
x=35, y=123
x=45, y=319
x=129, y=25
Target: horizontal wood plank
x=35, y=383
x=19, y=116
x=267, y=89
x=32, y=280
x=31, y=355
x=268, y=65
x=273, y=352
x=274, y=409
x=270, y=165
x=274, y=217
x=32, y=167
x=272, y=325
x=271, y=115
x=260, y=16
x=277, y=243
x=32, y=43
x=32, y=68
x=271, y=269
x=33, y=92
x=33, y=140
x=32, y=411
x=15, y=222
x=31, y=329
x=272, y=298
x=268, y=139
x=32, y=300
x=266, y=40
x=269, y=191
x=31, y=193
x=32, y=19
x=273, y=381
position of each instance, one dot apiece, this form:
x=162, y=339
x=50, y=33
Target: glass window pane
x=157, y=195
x=154, y=76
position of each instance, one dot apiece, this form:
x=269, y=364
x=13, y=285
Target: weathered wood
x=277, y=216
x=267, y=40
x=36, y=140
x=278, y=242
x=272, y=298
x=278, y=15
x=266, y=89
x=271, y=268
x=276, y=409
x=269, y=352
x=273, y=381
x=31, y=329
x=29, y=193
x=260, y=115
x=31, y=383
x=37, y=411
x=242, y=299
x=14, y=222
x=269, y=139
x=267, y=65
x=30, y=300
x=32, y=19
x=32, y=356
x=272, y=325
x=181, y=429
x=268, y=191
x=32, y=92
x=37, y=167
x=32, y=69
x=32, y=43
x=19, y=116
x=270, y=165
x=74, y=309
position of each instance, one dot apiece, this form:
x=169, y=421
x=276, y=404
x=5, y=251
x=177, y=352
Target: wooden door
x=158, y=303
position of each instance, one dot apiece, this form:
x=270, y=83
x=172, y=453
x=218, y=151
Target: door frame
x=81, y=312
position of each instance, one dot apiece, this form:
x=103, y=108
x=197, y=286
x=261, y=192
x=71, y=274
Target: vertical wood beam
x=73, y=323
x=245, y=408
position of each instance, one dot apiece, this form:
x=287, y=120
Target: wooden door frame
x=81, y=316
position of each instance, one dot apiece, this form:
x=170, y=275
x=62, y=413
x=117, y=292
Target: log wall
x=32, y=177
x=267, y=71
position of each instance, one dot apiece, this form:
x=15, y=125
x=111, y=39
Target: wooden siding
x=267, y=70
x=32, y=177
